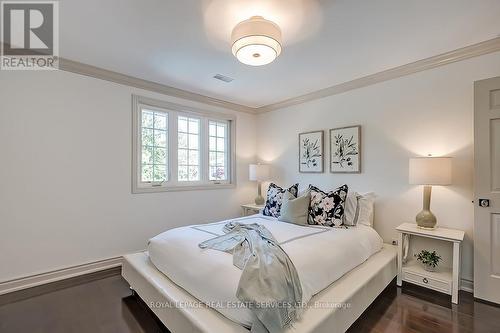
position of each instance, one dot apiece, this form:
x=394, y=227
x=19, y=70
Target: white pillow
x=359, y=209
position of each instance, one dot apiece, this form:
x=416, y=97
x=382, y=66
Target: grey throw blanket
x=269, y=284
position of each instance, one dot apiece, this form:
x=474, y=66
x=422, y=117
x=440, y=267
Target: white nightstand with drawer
x=250, y=209
x=444, y=280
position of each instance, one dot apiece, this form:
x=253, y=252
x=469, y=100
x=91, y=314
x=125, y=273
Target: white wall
x=65, y=175
x=425, y=113
x=65, y=161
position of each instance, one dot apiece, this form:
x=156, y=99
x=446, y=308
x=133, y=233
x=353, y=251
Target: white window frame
x=175, y=110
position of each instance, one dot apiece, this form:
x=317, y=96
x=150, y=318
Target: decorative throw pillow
x=275, y=198
x=295, y=210
x=327, y=208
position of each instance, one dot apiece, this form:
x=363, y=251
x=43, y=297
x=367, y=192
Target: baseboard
x=58, y=275
x=467, y=285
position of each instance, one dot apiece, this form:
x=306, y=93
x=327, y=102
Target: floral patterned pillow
x=275, y=198
x=327, y=208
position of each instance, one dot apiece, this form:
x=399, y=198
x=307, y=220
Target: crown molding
x=486, y=47
x=482, y=48
x=104, y=74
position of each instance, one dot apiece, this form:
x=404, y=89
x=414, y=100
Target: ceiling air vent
x=224, y=78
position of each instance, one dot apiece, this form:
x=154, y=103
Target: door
x=487, y=186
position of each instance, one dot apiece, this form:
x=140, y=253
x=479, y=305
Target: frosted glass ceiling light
x=256, y=41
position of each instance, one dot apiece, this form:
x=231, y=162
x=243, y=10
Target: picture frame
x=345, y=149
x=311, y=152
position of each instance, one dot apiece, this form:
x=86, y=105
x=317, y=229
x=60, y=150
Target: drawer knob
x=425, y=280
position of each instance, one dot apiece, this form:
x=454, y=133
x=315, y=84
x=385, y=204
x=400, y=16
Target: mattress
x=321, y=255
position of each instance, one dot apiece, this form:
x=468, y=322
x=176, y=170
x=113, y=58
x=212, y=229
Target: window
x=154, y=143
x=188, y=149
x=217, y=150
x=180, y=148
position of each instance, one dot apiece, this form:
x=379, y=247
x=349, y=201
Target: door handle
x=484, y=203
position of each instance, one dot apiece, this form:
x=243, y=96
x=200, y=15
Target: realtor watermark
x=30, y=35
x=247, y=305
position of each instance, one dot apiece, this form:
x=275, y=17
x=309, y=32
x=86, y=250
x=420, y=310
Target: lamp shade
x=430, y=171
x=256, y=41
x=258, y=172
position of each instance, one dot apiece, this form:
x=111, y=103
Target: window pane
x=160, y=138
x=160, y=173
x=212, y=158
x=220, y=173
x=217, y=157
x=217, y=173
x=183, y=140
x=194, y=157
x=221, y=131
x=182, y=124
x=160, y=121
x=160, y=156
x=212, y=129
x=154, y=142
x=147, y=155
x=194, y=126
x=212, y=175
x=221, y=144
x=220, y=159
x=182, y=173
x=146, y=173
x=147, y=119
x=193, y=141
x=183, y=157
x=194, y=173
x=147, y=137
x=212, y=143
x=188, y=148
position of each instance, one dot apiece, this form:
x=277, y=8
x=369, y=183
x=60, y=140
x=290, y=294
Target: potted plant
x=428, y=259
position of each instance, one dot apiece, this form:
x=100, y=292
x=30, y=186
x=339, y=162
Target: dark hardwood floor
x=100, y=306
x=106, y=305
x=413, y=309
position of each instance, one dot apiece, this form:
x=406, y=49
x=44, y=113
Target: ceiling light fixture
x=256, y=41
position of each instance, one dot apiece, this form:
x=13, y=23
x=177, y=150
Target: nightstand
x=250, y=209
x=444, y=280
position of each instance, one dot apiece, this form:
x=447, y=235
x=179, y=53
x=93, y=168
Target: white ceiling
x=185, y=43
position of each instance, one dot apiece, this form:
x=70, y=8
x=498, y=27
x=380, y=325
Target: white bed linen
x=320, y=255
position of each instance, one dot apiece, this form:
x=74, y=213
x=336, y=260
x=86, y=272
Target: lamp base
x=259, y=200
x=426, y=220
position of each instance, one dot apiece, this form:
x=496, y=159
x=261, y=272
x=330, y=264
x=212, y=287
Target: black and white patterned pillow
x=327, y=208
x=275, y=198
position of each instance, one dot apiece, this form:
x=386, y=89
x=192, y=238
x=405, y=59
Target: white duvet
x=321, y=255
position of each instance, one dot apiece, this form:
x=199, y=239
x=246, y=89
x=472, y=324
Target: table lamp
x=259, y=173
x=429, y=171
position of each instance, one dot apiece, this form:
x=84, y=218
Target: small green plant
x=428, y=258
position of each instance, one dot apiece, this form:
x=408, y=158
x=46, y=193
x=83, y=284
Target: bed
x=176, y=278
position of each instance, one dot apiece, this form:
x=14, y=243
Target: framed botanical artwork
x=345, y=150
x=311, y=152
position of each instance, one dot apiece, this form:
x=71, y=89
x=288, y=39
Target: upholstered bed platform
x=337, y=306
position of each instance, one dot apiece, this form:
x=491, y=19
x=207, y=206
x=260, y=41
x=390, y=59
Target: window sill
x=139, y=190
